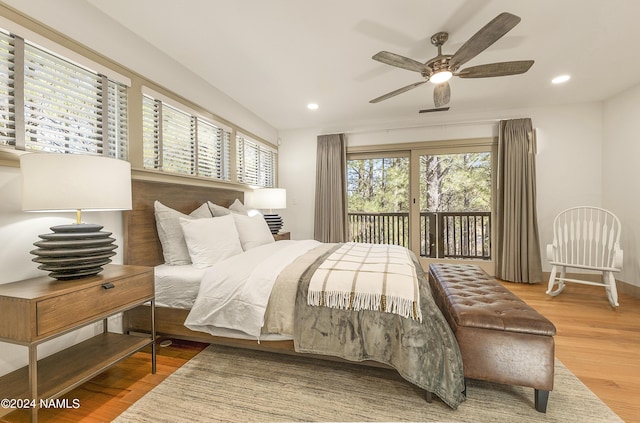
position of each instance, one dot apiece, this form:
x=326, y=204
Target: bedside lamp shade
x=70, y=182
x=73, y=182
x=270, y=198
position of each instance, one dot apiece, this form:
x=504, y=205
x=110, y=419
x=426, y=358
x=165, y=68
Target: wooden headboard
x=141, y=243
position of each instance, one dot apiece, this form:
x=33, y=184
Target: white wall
x=621, y=173
x=568, y=160
x=297, y=173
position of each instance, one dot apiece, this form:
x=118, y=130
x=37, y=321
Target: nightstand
x=282, y=235
x=40, y=309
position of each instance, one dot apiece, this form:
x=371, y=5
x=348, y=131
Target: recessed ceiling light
x=312, y=106
x=560, y=79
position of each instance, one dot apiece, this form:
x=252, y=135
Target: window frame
x=91, y=119
x=263, y=174
x=415, y=149
x=154, y=126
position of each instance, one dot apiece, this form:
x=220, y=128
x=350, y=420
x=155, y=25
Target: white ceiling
x=275, y=56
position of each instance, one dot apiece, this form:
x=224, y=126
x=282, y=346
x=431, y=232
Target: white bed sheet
x=236, y=334
x=177, y=286
x=234, y=293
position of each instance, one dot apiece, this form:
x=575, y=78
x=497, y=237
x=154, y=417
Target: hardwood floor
x=595, y=342
x=107, y=395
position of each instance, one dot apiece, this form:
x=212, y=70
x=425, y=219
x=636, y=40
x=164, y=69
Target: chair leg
x=552, y=281
x=563, y=275
x=612, y=290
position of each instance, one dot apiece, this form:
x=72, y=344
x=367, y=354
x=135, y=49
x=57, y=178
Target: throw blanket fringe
x=351, y=268
x=361, y=301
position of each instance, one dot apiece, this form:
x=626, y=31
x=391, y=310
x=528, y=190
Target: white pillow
x=174, y=247
x=211, y=240
x=238, y=207
x=218, y=211
x=253, y=231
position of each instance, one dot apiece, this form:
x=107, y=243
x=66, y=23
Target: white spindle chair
x=585, y=238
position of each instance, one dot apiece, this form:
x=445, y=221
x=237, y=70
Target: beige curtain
x=518, y=243
x=331, y=189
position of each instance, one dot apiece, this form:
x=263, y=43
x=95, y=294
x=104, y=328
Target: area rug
x=235, y=385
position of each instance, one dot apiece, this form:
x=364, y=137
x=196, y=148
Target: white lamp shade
x=70, y=182
x=268, y=198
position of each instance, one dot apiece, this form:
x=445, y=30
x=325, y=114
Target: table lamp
x=74, y=182
x=269, y=199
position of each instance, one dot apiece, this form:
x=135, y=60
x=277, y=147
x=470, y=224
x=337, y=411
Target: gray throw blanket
x=424, y=353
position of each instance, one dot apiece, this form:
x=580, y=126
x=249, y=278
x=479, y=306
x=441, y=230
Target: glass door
x=434, y=198
x=378, y=198
x=452, y=205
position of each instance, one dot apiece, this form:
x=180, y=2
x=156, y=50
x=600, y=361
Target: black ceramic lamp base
x=274, y=221
x=74, y=251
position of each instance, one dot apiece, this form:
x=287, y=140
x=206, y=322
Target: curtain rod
x=424, y=125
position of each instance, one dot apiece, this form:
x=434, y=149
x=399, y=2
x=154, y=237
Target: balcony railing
x=442, y=234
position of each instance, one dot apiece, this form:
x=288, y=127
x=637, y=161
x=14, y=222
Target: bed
x=416, y=341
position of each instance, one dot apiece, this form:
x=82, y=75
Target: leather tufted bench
x=501, y=338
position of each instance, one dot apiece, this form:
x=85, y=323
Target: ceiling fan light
x=440, y=77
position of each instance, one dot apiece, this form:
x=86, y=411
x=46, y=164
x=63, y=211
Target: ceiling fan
x=444, y=66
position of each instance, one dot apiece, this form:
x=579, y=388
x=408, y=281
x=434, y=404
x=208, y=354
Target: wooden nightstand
x=282, y=235
x=39, y=309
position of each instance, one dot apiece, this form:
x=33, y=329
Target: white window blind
x=256, y=163
x=151, y=128
x=117, y=122
x=61, y=107
x=213, y=151
x=177, y=141
x=7, y=106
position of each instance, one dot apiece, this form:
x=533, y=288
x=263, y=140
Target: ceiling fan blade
x=438, y=109
x=396, y=92
x=399, y=61
x=496, y=69
x=441, y=94
x=482, y=39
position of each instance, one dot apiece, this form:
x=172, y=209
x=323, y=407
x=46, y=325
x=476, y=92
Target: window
x=255, y=162
x=7, y=102
x=67, y=108
x=435, y=198
x=455, y=205
x=214, y=157
x=177, y=141
x=378, y=199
